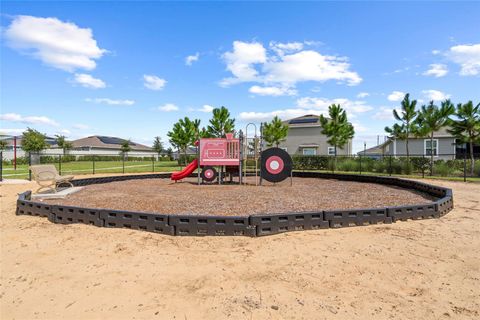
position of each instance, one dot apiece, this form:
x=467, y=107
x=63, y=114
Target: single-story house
x=103, y=145
x=93, y=145
x=305, y=138
x=444, y=146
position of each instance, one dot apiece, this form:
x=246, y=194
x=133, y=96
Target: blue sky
x=132, y=69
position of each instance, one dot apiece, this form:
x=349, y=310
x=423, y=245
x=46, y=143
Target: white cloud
x=80, y=126
x=206, y=108
x=64, y=132
x=363, y=95
x=87, y=81
x=12, y=132
x=310, y=66
x=59, y=44
x=282, y=48
x=308, y=105
x=435, y=95
x=359, y=127
x=385, y=113
x=272, y=91
x=15, y=117
x=240, y=62
x=436, y=70
x=396, y=96
x=168, y=107
x=286, y=64
x=153, y=82
x=113, y=102
x=468, y=57
x=321, y=104
x=189, y=60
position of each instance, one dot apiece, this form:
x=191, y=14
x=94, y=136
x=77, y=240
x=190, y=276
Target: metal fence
x=85, y=164
x=452, y=166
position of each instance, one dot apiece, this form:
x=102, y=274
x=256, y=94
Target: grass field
x=87, y=167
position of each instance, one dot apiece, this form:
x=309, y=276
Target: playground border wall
x=246, y=225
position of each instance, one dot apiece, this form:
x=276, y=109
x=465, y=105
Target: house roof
x=307, y=120
x=106, y=142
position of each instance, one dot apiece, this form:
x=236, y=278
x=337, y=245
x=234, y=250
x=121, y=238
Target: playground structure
x=230, y=156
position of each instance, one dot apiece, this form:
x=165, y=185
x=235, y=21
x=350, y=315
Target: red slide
x=179, y=175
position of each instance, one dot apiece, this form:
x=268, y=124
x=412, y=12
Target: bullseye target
x=208, y=174
x=276, y=165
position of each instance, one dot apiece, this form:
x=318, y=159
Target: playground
x=406, y=270
x=306, y=194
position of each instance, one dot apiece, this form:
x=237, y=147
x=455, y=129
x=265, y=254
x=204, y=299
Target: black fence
x=249, y=225
x=459, y=166
x=455, y=166
x=70, y=164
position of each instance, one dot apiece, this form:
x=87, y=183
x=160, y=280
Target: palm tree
x=220, y=124
x=466, y=127
x=63, y=144
x=275, y=132
x=337, y=128
x=407, y=119
x=430, y=119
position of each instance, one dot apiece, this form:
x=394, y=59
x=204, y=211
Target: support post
x=465, y=164
x=123, y=163
x=93, y=164
x=29, y=164
x=153, y=163
x=60, y=164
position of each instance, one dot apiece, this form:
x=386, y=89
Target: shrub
x=442, y=168
x=301, y=162
x=476, y=170
x=348, y=165
x=189, y=158
x=420, y=164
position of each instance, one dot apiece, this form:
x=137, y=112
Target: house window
x=429, y=148
x=309, y=151
x=331, y=151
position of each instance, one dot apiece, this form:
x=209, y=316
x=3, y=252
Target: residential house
x=305, y=138
x=444, y=146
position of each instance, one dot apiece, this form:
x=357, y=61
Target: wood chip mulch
x=306, y=194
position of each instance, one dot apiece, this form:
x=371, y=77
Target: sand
x=304, y=194
x=424, y=269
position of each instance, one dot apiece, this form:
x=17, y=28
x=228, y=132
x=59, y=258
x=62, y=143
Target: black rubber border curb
x=252, y=225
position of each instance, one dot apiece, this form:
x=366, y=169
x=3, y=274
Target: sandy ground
x=304, y=194
x=426, y=269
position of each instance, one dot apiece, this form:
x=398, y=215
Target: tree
x=407, y=119
x=337, y=128
x=158, y=145
x=33, y=141
x=275, y=132
x=466, y=127
x=63, y=144
x=430, y=119
x=220, y=124
x=184, y=134
x=3, y=144
x=169, y=153
x=125, y=147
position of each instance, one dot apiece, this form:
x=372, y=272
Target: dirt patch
x=306, y=194
x=421, y=269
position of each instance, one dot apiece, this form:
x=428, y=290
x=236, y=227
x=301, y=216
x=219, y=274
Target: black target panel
x=275, y=165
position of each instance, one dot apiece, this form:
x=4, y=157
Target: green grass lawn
x=86, y=167
x=411, y=176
